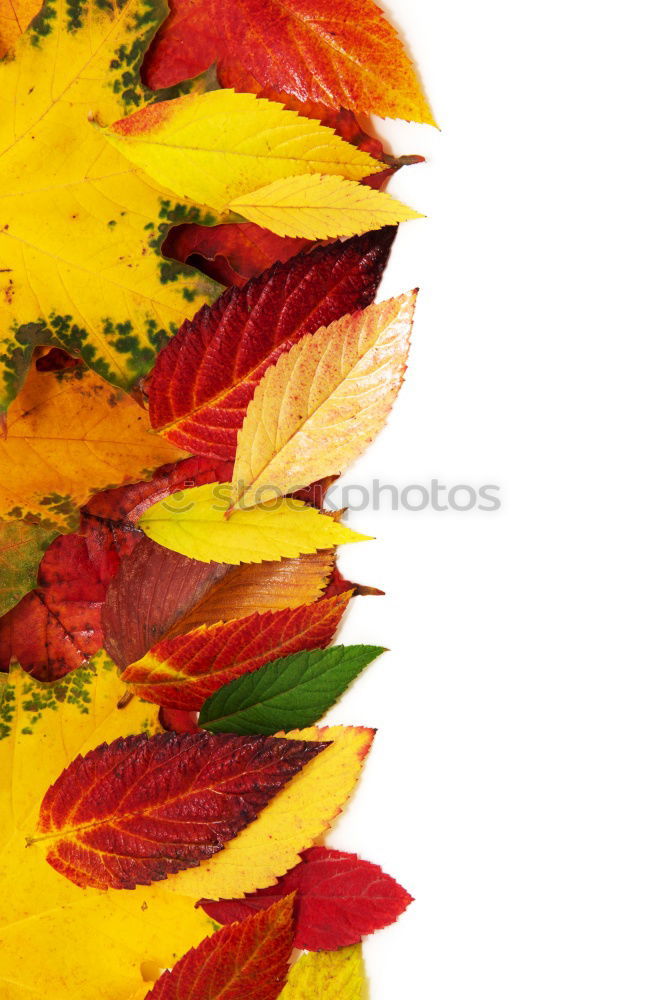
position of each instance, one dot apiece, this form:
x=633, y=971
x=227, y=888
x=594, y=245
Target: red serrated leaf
x=245, y=961
x=150, y=592
x=182, y=672
x=57, y=627
x=339, y=900
x=145, y=807
x=206, y=376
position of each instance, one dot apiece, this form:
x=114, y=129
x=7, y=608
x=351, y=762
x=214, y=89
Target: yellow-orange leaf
x=215, y=147
x=324, y=401
x=319, y=208
x=15, y=15
x=327, y=975
x=292, y=821
x=68, y=435
x=259, y=587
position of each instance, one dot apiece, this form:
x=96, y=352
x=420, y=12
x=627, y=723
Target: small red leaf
x=206, y=376
x=339, y=900
x=183, y=672
x=143, y=808
x=245, y=961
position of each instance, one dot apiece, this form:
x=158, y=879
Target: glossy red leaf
x=182, y=672
x=338, y=584
x=339, y=899
x=144, y=807
x=206, y=376
x=244, y=961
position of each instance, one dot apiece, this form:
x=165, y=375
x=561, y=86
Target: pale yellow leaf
x=215, y=147
x=194, y=522
x=70, y=434
x=292, y=822
x=327, y=975
x=323, y=401
x=319, y=208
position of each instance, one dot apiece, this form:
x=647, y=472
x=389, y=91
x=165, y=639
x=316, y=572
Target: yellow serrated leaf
x=194, y=522
x=215, y=147
x=324, y=401
x=80, y=226
x=320, y=208
x=292, y=821
x=327, y=975
x=56, y=940
x=68, y=435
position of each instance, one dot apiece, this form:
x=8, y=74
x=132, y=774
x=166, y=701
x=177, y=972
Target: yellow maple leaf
x=15, y=15
x=57, y=940
x=327, y=975
x=323, y=401
x=194, y=523
x=218, y=146
x=320, y=208
x=70, y=434
x=80, y=226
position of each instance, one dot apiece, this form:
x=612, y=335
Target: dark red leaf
x=145, y=807
x=339, y=900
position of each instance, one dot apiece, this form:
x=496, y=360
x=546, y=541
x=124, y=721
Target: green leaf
x=290, y=693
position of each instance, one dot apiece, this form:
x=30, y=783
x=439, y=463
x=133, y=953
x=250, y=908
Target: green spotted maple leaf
x=80, y=226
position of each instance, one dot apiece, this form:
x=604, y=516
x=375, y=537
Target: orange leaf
x=341, y=53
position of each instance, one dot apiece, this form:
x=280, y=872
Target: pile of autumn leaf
x=169, y=586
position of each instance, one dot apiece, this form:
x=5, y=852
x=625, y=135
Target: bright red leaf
x=145, y=807
x=244, y=961
x=206, y=376
x=183, y=672
x=339, y=899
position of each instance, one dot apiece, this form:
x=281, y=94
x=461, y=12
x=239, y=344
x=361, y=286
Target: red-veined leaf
x=144, y=807
x=244, y=961
x=183, y=672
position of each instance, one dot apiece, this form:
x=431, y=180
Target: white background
x=515, y=783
